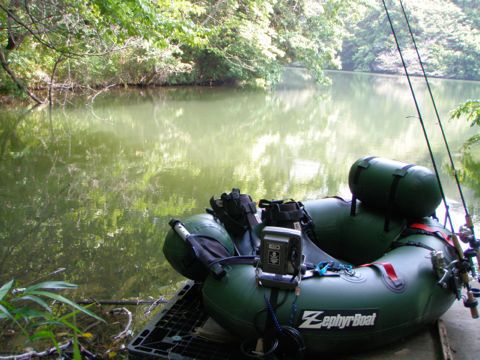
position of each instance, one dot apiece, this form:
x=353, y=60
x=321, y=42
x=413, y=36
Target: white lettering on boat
x=341, y=319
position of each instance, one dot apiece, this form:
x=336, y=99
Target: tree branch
x=52, y=78
x=4, y=63
x=50, y=46
x=213, y=12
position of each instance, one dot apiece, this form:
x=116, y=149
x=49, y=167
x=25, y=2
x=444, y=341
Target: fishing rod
x=467, y=234
x=420, y=117
x=470, y=300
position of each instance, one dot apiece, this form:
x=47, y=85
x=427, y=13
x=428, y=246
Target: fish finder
x=281, y=259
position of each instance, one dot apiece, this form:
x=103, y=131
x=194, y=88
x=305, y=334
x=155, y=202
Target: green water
x=91, y=186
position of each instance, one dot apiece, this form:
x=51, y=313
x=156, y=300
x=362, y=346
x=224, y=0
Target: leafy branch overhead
x=470, y=160
x=101, y=42
x=65, y=44
x=470, y=110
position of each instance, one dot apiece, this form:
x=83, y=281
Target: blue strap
x=273, y=315
x=322, y=267
x=293, y=311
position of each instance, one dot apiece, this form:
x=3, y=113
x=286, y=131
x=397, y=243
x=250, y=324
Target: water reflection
x=92, y=187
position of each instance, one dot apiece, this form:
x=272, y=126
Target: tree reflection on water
x=91, y=188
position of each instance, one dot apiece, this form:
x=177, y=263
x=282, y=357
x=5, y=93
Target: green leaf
x=5, y=312
x=64, y=300
x=65, y=317
x=51, y=285
x=59, y=323
x=470, y=142
x=76, y=349
x=35, y=299
x=42, y=334
x=70, y=325
x=46, y=334
x=29, y=314
x=5, y=289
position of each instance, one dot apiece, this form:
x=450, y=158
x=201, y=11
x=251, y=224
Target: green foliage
x=470, y=110
x=31, y=310
x=470, y=159
x=73, y=43
x=95, y=43
x=446, y=33
x=469, y=172
x=145, y=42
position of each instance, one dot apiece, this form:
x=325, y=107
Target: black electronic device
x=281, y=259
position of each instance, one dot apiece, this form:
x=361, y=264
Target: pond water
x=90, y=187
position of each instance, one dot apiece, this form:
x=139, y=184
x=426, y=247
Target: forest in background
x=447, y=33
x=73, y=44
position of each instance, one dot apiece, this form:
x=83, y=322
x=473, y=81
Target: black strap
x=279, y=213
x=208, y=250
x=235, y=210
x=410, y=230
x=398, y=244
x=362, y=165
x=237, y=260
x=397, y=176
x=250, y=210
x=353, y=207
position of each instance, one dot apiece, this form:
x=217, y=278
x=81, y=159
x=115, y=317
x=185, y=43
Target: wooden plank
x=442, y=334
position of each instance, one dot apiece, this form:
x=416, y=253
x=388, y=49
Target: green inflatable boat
x=324, y=275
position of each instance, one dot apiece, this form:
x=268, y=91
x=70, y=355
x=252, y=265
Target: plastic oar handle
x=201, y=254
x=178, y=227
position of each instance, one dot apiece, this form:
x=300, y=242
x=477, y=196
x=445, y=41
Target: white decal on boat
x=345, y=319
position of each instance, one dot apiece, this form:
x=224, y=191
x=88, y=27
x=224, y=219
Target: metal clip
x=465, y=234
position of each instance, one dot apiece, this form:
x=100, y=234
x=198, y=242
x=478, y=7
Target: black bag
x=236, y=211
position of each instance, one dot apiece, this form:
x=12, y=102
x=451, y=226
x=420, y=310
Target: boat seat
x=313, y=254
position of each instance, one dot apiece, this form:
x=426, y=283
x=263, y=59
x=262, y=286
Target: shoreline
x=400, y=74
x=11, y=101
